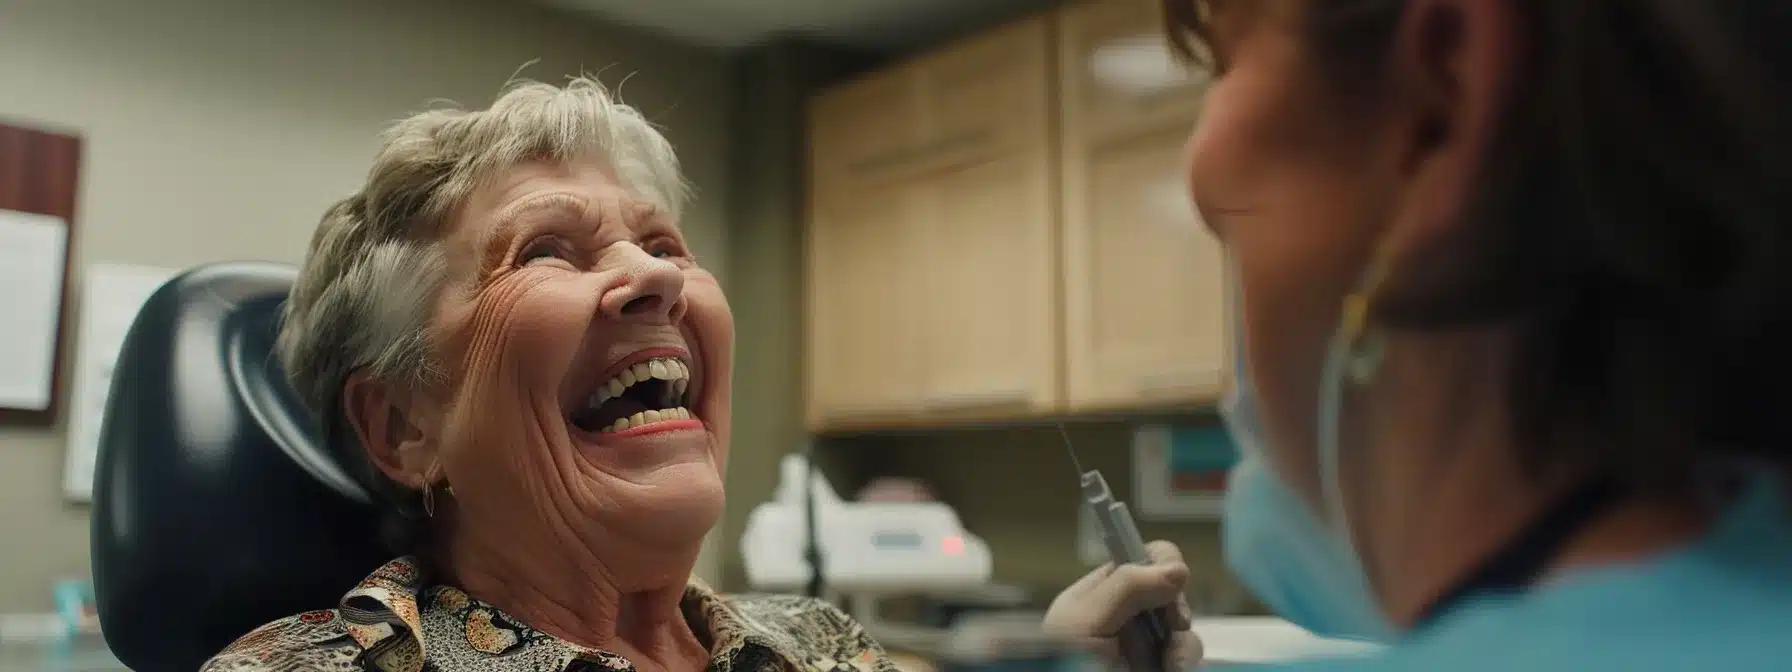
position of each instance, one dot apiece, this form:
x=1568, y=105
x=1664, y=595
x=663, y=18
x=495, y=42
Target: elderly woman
x=1514, y=308
x=505, y=329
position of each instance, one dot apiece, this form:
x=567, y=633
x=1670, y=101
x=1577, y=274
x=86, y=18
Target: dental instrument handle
x=1144, y=639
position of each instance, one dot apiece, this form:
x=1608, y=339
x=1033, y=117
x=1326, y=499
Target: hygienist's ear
x=393, y=428
x=1451, y=69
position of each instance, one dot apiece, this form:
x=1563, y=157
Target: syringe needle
x=1071, y=449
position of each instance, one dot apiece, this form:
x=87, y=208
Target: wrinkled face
x=590, y=359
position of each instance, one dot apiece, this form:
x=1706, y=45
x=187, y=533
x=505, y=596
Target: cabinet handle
x=1158, y=383
x=950, y=401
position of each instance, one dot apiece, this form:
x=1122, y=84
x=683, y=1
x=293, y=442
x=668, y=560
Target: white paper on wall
x=33, y=249
x=113, y=294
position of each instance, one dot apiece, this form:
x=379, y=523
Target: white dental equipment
x=865, y=547
x=867, y=551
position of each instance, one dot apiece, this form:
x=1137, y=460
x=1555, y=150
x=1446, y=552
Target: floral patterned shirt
x=394, y=622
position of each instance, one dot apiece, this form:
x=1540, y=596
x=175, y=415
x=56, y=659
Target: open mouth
x=647, y=392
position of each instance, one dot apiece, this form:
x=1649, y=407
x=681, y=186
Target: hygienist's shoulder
x=1523, y=651
x=1635, y=630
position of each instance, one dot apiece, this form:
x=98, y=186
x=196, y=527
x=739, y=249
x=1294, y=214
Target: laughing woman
x=505, y=332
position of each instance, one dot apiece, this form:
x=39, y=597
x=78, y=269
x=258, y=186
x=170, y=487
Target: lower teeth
x=647, y=417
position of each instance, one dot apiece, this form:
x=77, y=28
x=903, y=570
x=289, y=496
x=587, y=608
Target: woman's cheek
x=531, y=328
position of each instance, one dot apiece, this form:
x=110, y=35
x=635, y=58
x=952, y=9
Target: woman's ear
x=1452, y=64
x=392, y=430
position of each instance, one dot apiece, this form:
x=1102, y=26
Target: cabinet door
x=991, y=306
x=933, y=239
x=1144, y=281
x=865, y=337
x=868, y=131
x=994, y=334
x=987, y=96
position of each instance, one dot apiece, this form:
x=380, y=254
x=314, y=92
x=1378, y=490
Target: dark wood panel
x=40, y=173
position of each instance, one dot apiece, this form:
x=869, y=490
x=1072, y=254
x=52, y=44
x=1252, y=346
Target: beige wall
x=219, y=129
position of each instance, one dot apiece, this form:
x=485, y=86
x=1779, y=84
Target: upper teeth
x=674, y=372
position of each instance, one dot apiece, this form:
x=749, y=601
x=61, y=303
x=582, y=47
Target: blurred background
x=944, y=228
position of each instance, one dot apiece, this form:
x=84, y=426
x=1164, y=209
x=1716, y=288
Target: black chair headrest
x=216, y=508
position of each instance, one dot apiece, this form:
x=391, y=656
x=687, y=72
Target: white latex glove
x=1093, y=609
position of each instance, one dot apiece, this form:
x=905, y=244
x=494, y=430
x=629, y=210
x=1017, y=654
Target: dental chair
x=216, y=507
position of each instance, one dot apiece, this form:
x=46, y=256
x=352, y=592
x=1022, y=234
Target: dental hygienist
x=1514, y=323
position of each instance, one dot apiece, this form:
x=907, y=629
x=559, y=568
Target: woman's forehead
x=526, y=185
x=522, y=181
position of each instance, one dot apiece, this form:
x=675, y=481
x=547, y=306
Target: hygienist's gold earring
x=1364, y=346
x=1353, y=358
x=1363, y=354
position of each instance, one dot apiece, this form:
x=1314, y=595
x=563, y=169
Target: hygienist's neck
x=629, y=606
x=1447, y=490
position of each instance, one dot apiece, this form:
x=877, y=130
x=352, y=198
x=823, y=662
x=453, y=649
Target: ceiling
x=880, y=25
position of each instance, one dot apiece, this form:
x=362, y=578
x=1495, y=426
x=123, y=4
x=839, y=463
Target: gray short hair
x=365, y=292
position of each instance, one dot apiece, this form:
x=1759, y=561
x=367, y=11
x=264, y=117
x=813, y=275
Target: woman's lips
x=693, y=421
x=660, y=427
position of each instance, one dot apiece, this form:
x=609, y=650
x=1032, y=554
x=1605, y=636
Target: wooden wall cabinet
x=932, y=239
x=1144, y=281
x=1001, y=230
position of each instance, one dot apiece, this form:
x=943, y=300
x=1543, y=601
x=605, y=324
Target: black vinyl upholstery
x=216, y=508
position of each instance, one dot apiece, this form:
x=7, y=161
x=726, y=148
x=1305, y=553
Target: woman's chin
x=671, y=506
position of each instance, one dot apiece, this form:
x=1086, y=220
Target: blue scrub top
x=1723, y=603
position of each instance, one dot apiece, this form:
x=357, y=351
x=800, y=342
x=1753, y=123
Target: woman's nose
x=647, y=289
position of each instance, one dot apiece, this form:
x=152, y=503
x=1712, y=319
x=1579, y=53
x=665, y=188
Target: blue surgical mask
x=1303, y=570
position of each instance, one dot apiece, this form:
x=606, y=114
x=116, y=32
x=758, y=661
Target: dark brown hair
x=1635, y=219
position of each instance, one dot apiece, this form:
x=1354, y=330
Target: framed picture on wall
x=1179, y=473
x=38, y=174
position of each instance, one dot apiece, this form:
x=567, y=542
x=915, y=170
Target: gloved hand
x=1091, y=611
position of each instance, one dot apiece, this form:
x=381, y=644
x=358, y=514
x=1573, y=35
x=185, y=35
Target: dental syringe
x=1143, y=639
